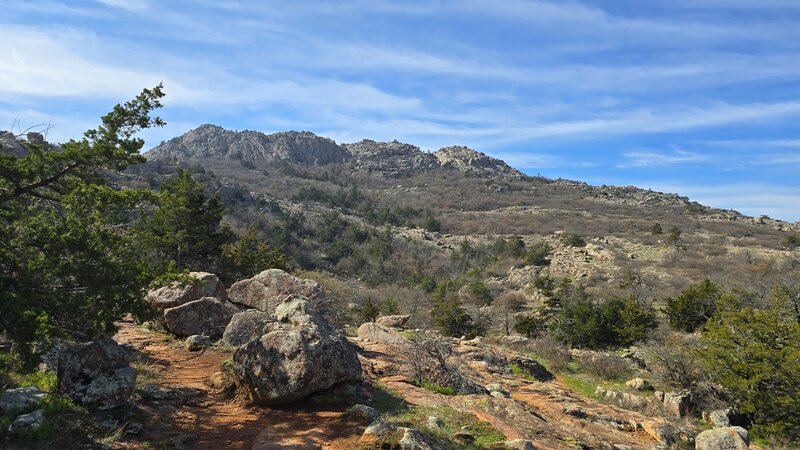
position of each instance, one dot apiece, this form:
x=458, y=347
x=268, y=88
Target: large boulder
x=246, y=326
x=207, y=316
x=728, y=438
x=96, y=373
x=396, y=321
x=269, y=288
x=305, y=355
x=176, y=294
x=372, y=332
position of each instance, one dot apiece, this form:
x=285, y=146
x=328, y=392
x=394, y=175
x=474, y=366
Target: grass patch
x=486, y=436
x=145, y=373
x=444, y=390
x=518, y=371
x=397, y=411
x=46, y=382
x=408, y=334
x=580, y=384
x=386, y=402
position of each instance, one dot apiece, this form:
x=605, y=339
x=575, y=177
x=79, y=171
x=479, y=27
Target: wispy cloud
x=136, y=6
x=653, y=158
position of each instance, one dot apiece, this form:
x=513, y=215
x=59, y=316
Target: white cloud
x=656, y=159
x=135, y=6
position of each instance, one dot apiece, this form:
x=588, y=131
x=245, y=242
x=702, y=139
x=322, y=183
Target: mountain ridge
x=388, y=159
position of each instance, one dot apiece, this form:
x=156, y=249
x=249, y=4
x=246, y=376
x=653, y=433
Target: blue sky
x=699, y=97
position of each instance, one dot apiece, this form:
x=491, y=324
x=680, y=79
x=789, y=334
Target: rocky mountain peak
x=471, y=161
x=214, y=142
x=390, y=159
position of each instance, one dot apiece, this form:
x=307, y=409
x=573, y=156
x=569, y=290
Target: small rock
x=134, y=428
x=533, y=368
x=514, y=339
x=152, y=391
x=640, y=384
x=27, y=422
x=728, y=438
x=396, y=321
x=464, y=436
x=494, y=387
x=520, y=444
x=718, y=418
x=217, y=380
x=307, y=355
x=366, y=413
x=183, y=441
x=268, y=289
x=412, y=440
x=677, y=403
x=377, y=429
x=20, y=399
x=435, y=422
x=196, y=342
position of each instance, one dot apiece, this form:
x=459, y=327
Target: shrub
x=755, y=354
x=582, y=323
x=656, y=229
x=450, y=317
x=369, y=312
x=575, y=240
x=537, y=256
x=674, y=235
x=552, y=350
x=792, y=242
x=606, y=367
x=691, y=309
x=530, y=325
x=479, y=293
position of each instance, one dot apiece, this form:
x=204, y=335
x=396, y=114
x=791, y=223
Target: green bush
x=614, y=322
x=691, y=309
x=792, y=242
x=68, y=264
x=537, y=256
x=755, y=354
x=575, y=240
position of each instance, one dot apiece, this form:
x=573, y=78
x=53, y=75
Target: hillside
x=472, y=197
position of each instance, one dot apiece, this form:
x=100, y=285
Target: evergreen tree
x=185, y=227
x=248, y=256
x=67, y=265
x=691, y=309
x=755, y=354
x=369, y=311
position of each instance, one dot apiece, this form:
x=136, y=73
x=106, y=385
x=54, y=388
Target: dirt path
x=215, y=420
x=547, y=413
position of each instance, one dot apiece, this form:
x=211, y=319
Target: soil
x=215, y=419
x=547, y=413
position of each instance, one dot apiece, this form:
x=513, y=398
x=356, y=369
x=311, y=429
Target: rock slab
x=269, y=288
x=207, y=316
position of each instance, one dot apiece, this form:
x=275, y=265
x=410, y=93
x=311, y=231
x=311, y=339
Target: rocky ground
x=198, y=409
